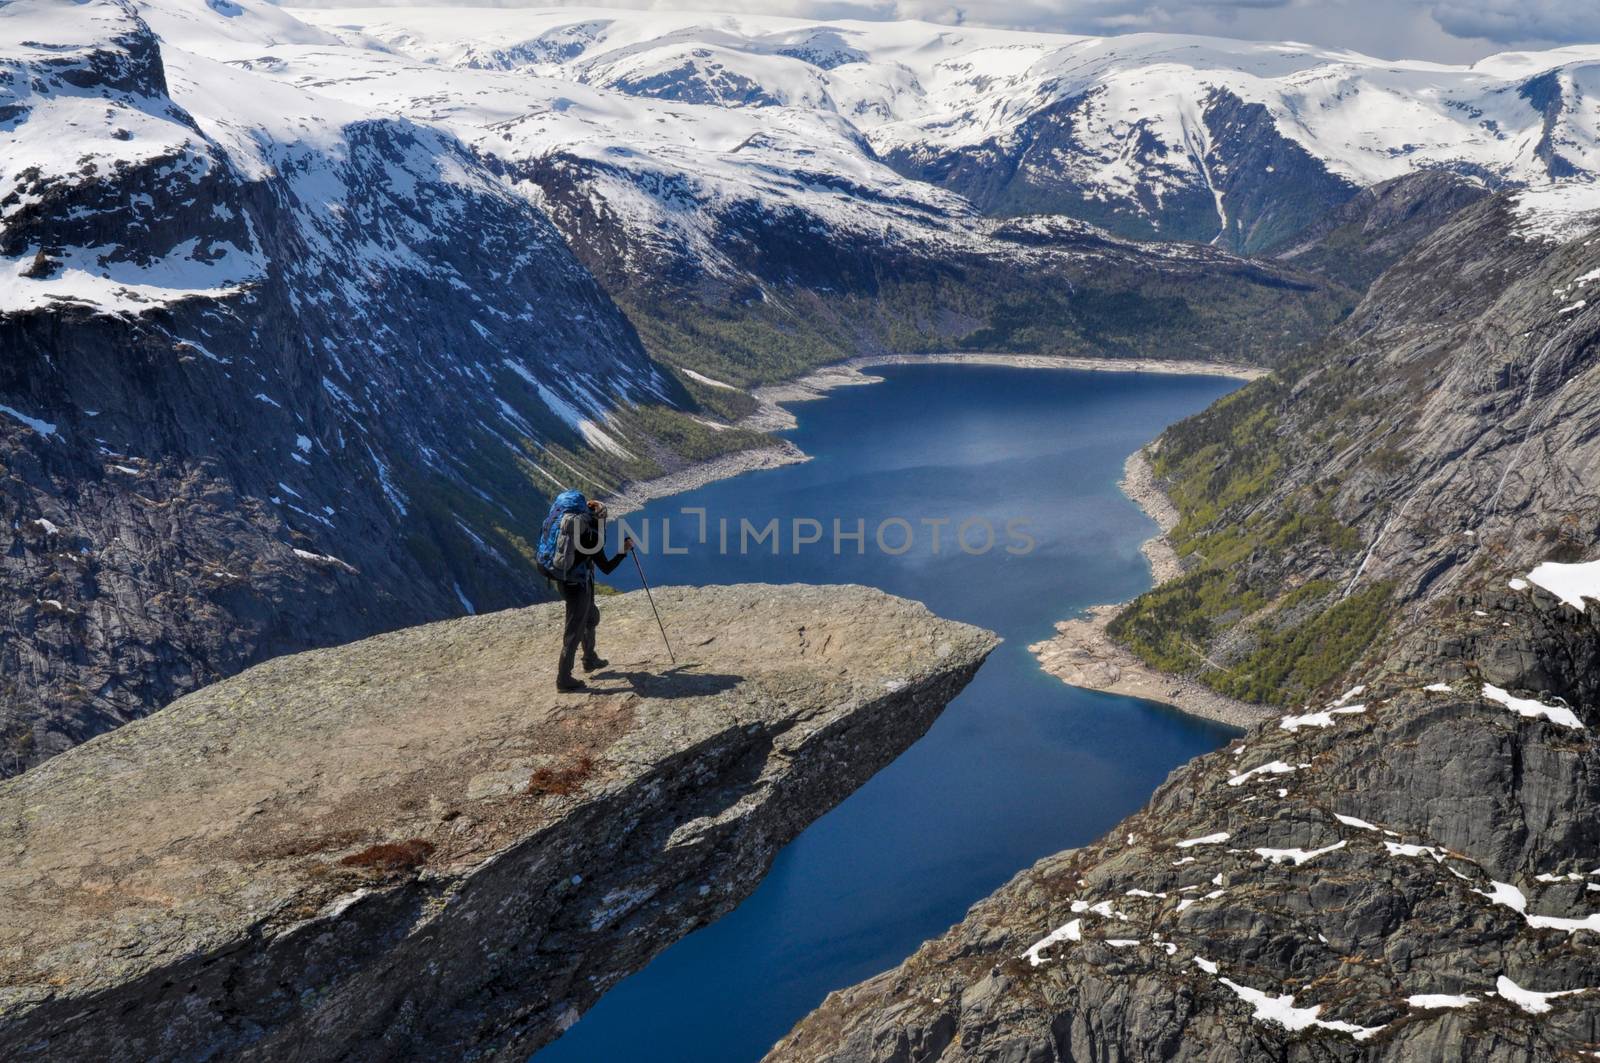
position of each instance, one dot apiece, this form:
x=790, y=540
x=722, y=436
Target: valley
x=1016, y=767
x=306, y=314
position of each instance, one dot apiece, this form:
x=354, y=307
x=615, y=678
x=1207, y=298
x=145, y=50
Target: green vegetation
x=1171, y=627
x=1289, y=666
x=1106, y=308
x=682, y=436
x=741, y=345
x=1248, y=530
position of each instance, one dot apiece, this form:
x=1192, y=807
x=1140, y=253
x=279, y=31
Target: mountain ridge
x=1391, y=872
x=1138, y=118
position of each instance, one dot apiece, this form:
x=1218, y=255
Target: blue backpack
x=556, y=555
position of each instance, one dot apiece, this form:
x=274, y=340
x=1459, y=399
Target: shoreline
x=637, y=495
x=1082, y=654
x=771, y=416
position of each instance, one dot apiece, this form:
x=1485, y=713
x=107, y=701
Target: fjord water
x=1018, y=767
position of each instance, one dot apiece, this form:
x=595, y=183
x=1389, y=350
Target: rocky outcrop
x=1375, y=228
x=1405, y=872
x=411, y=847
x=1402, y=871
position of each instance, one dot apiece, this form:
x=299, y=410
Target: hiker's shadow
x=678, y=682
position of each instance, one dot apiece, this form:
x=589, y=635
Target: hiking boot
x=567, y=684
x=595, y=663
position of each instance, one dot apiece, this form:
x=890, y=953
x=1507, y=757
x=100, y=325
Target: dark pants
x=582, y=618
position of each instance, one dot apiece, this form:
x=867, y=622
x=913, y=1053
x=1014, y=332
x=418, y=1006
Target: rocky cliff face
x=410, y=847
x=1444, y=433
x=1401, y=871
x=1374, y=229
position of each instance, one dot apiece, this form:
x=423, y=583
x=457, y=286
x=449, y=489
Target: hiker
x=572, y=545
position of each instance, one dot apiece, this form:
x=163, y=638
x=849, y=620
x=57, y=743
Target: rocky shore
x=772, y=417
x=636, y=496
x=1083, y=654
x=771, y=414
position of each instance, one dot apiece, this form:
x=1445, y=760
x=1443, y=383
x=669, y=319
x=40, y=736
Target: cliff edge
x=411, y=846
x=1405, y=872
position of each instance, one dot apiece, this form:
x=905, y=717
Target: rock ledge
x=411, y=847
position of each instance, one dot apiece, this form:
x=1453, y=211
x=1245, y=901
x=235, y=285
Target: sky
x=1453, y=31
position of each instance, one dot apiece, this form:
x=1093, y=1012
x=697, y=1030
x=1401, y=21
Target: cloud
x=1442, y=30
x=1564, y=21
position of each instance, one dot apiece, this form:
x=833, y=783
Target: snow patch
x=44, y=428
x=1276, y=767
x=1507, y=894
x=1408, y=849
x=1557, y=212
x=1530, y=1001
x=1298, y=856
x=95, y=276
x=1533, y=708
x=1280, y=1010
x=1069, y=931
x=323, y=559
x=1323, y=718
x=707, y=381
x=1439, y=1000
x=1573, y=584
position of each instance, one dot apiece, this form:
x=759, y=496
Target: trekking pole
x=646, y=584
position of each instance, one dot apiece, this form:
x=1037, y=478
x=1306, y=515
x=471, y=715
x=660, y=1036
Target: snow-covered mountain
x=1152, y=135
x=719, y=175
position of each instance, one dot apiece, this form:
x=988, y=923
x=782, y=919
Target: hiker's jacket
x=591, y=551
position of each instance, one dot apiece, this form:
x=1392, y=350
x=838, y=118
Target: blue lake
x=1018, y=767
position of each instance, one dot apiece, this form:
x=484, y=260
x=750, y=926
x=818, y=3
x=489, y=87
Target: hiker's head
x=598, y=509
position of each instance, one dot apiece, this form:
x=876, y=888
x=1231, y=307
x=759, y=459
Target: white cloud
x=1566, y=21
x=1443, y=30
